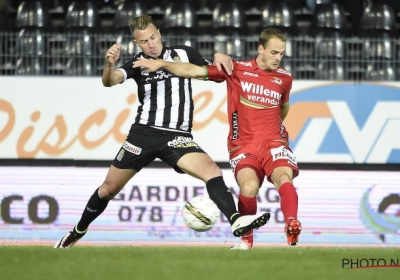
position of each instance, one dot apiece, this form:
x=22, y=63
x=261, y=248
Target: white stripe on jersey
x=146, y=104
x=160, y=103
x=183, y=55
x=184, y=58
x=175, y=103
x=187, y=103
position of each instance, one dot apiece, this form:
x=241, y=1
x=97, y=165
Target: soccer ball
x=200, y=213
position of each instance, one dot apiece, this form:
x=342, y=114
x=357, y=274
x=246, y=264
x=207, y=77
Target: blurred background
x=327, y=39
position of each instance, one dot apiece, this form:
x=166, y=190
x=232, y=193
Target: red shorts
x=263, y=158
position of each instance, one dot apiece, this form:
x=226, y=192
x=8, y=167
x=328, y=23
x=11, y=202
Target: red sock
x=247, y=206
x=289, y=201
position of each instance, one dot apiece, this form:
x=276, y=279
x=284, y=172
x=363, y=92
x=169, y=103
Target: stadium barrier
x=321, y=57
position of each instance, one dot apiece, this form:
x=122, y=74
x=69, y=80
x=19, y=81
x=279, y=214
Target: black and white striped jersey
x=165, y=100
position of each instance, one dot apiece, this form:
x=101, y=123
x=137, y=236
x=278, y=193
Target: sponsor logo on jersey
x=182, y=142
x=262, y=94
x=283, y=153
x=235, y=126
x=250, y=74
x=282, y=71
x=234, y=161
x=131, y=148
x=245, y=63
x=159, y=75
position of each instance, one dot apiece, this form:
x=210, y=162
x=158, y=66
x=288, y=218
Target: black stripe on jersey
x=140, y=108
x=167, y=103
x=153, y=104
x=191, y=104
x=182, y=103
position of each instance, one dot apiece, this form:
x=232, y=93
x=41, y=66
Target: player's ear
x=260, y=49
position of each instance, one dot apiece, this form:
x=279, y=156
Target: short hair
x=268, y=34
x=141, y=23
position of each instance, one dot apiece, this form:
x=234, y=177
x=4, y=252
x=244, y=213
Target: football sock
x=289, y=201
x=247, y=206
x=93, y=209
x=220, y=194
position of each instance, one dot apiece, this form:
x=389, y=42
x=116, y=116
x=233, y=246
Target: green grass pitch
x=197, y=263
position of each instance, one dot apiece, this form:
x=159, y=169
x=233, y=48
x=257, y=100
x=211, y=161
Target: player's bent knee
x=282, y=175
x=109, y=191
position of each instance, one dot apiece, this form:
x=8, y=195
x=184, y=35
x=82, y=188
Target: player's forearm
x=285, y=110
x=109, y=77
x=184, y=69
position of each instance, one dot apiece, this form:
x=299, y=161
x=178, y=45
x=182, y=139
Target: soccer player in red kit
x=258, y=102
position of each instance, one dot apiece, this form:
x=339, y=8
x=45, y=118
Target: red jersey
x=254, y=102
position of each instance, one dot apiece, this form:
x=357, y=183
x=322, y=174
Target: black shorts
x=144, y=144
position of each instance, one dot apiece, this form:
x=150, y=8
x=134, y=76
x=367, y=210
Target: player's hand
x=112, y=54
x=151, y=65
x=222, y=60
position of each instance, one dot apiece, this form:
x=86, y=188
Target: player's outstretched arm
x=223, y=61
x=110, y=77
x=181, y=69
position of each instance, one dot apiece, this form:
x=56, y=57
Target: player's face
x=270, y=57
x=149, y=40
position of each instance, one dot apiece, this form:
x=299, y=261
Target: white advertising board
x=78, y=118
x=41, y=204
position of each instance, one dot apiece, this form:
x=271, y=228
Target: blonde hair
x=141, y=23
x=268, y=34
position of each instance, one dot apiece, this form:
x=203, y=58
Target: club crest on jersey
x=276, y=81
x=176, y=59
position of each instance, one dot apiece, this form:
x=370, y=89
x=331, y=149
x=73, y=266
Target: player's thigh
x=248, y=181
x=115, y=180
x=199, y=165
x=281, y=175
x=182, y=153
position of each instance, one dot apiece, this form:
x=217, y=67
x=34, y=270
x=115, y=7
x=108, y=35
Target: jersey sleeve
x=129, y=70
x=195, y=57
x=213, y=74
